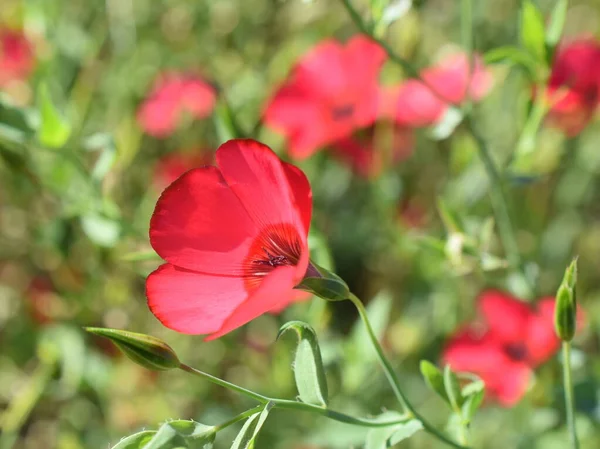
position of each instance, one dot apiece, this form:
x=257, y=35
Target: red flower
x=331, y=92
x=513, y=339
x=377, y=147
x=234, y=238
x=416, y=104
x=16, y=57
x=172, y=95
x=172, y=166
x=573, y=89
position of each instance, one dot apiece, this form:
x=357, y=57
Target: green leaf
x=308, y=365
x=380, y=437
x=452, y=387
x=532, y=31
x=471, y=405
x=54, y=129
x=246, y=438
x=101, y=230
x=324, y=283
x=405, y=431
x=182, y=433
x=557, y=23
x=434, y=379
x=135, y=441
x=104, y=144
x=145, y=350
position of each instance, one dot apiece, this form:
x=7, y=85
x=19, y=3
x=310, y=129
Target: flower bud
x=324, y=284
x=565, y=309
x=145, y=350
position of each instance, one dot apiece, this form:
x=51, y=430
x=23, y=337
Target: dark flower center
x=275, y=246
x=342, y=112
x=517, y=351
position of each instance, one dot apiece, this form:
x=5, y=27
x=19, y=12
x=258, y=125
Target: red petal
x=505, y=380
x=257, y=177
x=542, y=342
x=301, y=192
x=274, y=289
x=190, y=302
x=506, y=317
x=417, y=105
x=326, y=58
x=199, y=224
x=293, y=297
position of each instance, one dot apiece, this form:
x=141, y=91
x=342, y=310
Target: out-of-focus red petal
x=16, y=56
x=328, y=58
x=417, y=106
x=506, y=317
x=273, y=290
x=541, y=341
x=200, y=224
x=198, y=97
x=257, y=177
x=480, y=353
x=301, y=192
x=158, y=117
x=191, y=302
x=171, y=166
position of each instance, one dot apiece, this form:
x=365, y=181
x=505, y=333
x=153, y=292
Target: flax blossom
x=446, y=84
x=173, y=95
x=332, y=91
x=506, y=346
x=234, y=238
x=574, y=86
x=172, y=166
x=16, y=57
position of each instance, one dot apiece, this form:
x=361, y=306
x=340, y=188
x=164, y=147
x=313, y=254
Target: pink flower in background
x=171, y=166
x=415, y=103
x=173, y=95
x=375, y=148
x=574, y=86
x=504, y=348
x=16, y=57
x=332, y=91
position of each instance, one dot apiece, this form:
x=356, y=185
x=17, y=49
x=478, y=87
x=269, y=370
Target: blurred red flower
x=16, y=56
x=574, y=86
x=503, y=350
x=234, y=238
x=171, y=166
x=375, y=148
x=39, y=298
x=413, y=103
x=172, y=95
x=332, y=91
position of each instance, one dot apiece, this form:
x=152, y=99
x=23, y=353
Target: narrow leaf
x=452, y=387
x=182, y=433
x=405, y=431
x=434, y=379
x=532, y=31
x=246, y=438
x=378, y=438
x=557, y=23
x=54, y=129
x=135, y=441
x=308, y=365
x=471, y=405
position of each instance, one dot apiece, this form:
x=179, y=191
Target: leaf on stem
x=386, y=437
x=532, y=31
x=246, y=438
x=54, y=129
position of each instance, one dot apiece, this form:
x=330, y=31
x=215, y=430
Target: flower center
x=342, y=112
x=516, y=351
x=275, y=246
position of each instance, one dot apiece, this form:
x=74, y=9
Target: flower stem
x=288, y=405
x=393, y=378
x=569, y=402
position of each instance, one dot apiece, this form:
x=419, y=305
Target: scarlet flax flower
x=332, y=91
x=171, y=166
x=16, y=57
x=574, y=86
x=503, y=349
x=234, y=237
x=173, y=95
x=424, y=102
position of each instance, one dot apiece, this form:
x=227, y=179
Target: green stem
x=393, y=378
x=289, y=405
x=569, y=402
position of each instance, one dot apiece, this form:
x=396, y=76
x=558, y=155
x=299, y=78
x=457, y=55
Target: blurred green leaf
x=135, y=441
x=395, y=10
x=453, y=391
x=15, y=123
x=308, y=365
x=385, y=437
x=448, y=123
x=145, y=350
x=556, y=25
x=471, y=405
x=104, y=144
x=246, y=438
x=532, y=31
x=434, y=379
x=513, y=56
x=101, y=230
x=54, y=129
x=405, y=431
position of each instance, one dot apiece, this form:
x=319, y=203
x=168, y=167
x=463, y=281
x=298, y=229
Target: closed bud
x=145, y=350
x=324, y=284
x=565, y=309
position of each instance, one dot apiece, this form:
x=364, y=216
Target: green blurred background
x=73, y=227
